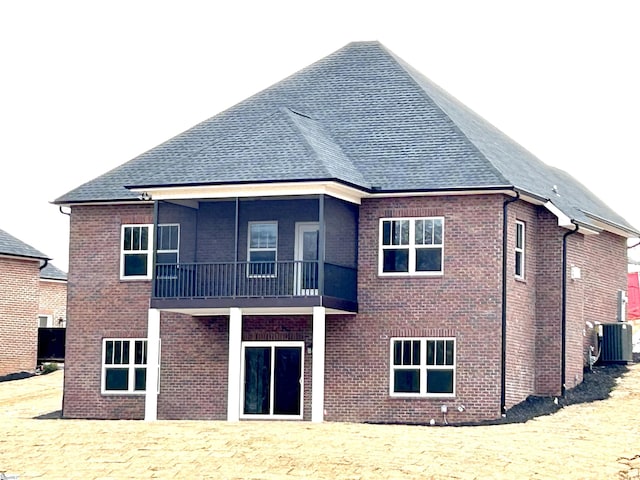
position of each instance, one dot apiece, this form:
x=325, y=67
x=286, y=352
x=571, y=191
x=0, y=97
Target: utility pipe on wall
x=563, y=349
x=503, y=361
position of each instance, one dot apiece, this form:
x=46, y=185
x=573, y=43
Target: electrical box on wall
x=576, y=274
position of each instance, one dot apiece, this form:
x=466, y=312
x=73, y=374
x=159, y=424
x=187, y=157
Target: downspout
x=503, y=360
x=563, y=362
x=46, y=262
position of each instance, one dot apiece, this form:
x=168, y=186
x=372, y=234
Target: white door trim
x=273, y=346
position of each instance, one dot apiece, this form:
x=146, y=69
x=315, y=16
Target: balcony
x=254, y=284
x=265, y=255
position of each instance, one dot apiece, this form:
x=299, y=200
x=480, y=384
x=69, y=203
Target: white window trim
x=130, y=366
x=412, y=247
x=249, y=250
x=148, y=252
x=423, y=367
x=520, y=250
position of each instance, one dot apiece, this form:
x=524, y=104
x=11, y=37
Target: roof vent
x=555, y=189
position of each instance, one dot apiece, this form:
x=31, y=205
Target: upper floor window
x=168, y=250
x=411, y=246
x=136, y=249
x=262, y=250
x=135, y=261
x=168, y=243
x=520, y=248
x=423, y=367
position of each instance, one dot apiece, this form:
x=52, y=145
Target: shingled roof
x=362, y=117
x=10, y=245
x=51, y=272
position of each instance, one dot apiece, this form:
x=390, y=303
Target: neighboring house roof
x=51, y=272
x=10, y=245
x=360, y=116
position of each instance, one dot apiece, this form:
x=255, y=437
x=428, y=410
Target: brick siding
x=464, y=303
x=53, y=301
x=18, y=314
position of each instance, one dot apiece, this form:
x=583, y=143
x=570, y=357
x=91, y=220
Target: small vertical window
x=520, y=248
x=262, y=251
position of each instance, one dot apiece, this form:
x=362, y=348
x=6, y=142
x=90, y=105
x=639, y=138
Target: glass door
x=306, y=256
x=272, y=383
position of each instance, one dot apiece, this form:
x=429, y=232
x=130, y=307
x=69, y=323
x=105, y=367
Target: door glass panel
x=287, y=375
x=310, y=254
x=257, y=376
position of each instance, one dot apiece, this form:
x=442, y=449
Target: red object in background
x=633, y=295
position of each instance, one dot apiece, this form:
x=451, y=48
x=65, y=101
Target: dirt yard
x=597, y=440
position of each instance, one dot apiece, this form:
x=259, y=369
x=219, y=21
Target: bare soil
x=593, y=439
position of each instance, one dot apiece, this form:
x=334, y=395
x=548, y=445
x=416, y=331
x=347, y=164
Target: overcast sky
x=86, y=86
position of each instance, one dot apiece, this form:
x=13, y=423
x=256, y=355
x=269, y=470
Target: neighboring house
x=53, y=297
x=633, y=307
x=350, y=244
x=20, y=266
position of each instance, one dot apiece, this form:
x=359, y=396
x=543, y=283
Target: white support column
x=153, y=365
x=235, y=357
x=317, y=365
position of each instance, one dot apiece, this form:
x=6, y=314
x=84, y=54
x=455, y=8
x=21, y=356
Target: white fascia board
x=439, y=193
x=565, y=221
x=199, y=192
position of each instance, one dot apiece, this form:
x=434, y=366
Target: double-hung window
x=168, y=253
x=262, y=251
x=422, y=367
x=124, y=365
x=135, y=258
x=519, y=264
x=137, y=246
x=411, y=246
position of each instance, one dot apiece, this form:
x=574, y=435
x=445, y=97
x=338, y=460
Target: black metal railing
x=252, y=279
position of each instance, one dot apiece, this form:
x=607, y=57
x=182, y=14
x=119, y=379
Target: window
x=262, y=249
x=422, y=367
x=168, y=253
x=45, y=321
x=168, y=243
x=411, y=246
x=135, y=261
x=136, y=248
x=519, y=268
x=124, y=366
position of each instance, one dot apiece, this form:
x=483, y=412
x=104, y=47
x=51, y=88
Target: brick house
x=350, y=244
x=24, y=274
x=52, y=311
